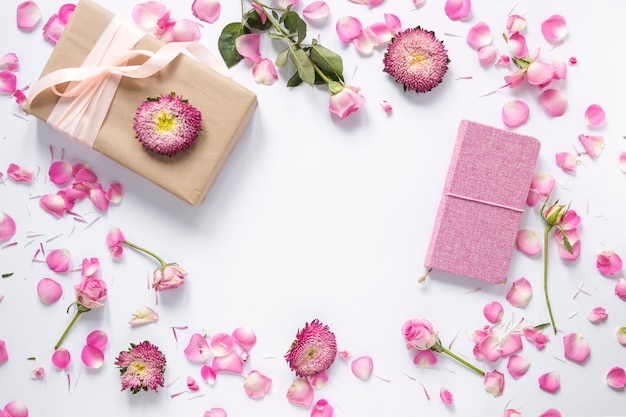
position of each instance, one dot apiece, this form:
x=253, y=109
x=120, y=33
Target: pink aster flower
x=166, y=277
x=167, y=124
x=416, y=59
x=313, y=350
x=565, y=221
x=141, y=367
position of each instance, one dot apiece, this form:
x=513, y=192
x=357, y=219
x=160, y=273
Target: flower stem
x=463, y=361
x=546, y=234
x=67, y=330
x=139, y=248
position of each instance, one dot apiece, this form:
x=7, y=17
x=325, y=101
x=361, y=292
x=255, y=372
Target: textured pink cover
x=482, y=202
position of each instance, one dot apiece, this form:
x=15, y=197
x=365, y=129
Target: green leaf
x=303, y=64
x=281, y=59
x=252, y=19
x=226, y=43
x=7, y=275
x=567, y=244
x=294, y=81
x=327, y=61
x=542, y=326
x=295, y=25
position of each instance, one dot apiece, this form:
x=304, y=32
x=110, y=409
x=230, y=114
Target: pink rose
x=91, y=292
x=168, y=277
x=419, y=334
x=346, y=101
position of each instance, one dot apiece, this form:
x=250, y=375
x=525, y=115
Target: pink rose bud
x=419, y=334
x=91, y=292
x=169, y=277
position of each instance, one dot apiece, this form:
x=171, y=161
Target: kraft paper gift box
x=482, y=202
x=226, y=107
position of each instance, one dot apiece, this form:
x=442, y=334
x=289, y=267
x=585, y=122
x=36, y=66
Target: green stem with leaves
x=546, y=234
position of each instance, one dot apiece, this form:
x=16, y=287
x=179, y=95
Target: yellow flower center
x=165, y=122
x=138, y=368
x=417, y=59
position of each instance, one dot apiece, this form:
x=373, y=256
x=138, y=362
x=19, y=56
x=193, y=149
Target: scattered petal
x=37, y=373
x=566, y=161
x=575, y=347
x=58, y=260
x=198, y=349
x=215, y=412
x=386, y=106
x=143, y=315
x=182, y=30
x=622, y=162
x=621, y=336
x=487, y=55
x=493, y=312
x=550, y=381
x=593, y=144
x=97, y=339
x=229, y=363
x=446, y=396
x=594, y=115
x=248, y=46
x=61, y=358
x=18, y=174
x=348, y=28
x=264, y=72
x=9, y=61
x=515, y=113
x=425, y=358
x=511, y=343
x=366, y=41
x=60, y=172
x=8, y=82
x=494, y=383
x=4, y=355
x=533, y=335
x=245, y=337
x=322, y=409
x=597, y=315
x=520, y=292
x=517, y=45
x=419, y=3
x=300, y=392
x=515, y=23
x=222, y=344
x=479, y=35
x=517, y=366
x=457, y=9
x=539, y=73
x=550, y=412
x=528, y=242
x=92, y=357
x=49, y=291
x=206, y=10
x=147, y=15
x=318, y=381
x=114, y=193
x=554, y=102
x=616, y=378
x=543, y=183
x=257, y=385
x=191, y=384
x=208, y=374
x=620, y=289
x=54, y=204
x=16, y=409
x=362, y=367
x=554, y=28
x=608, y=262
x=7, y=227
x=316, y=13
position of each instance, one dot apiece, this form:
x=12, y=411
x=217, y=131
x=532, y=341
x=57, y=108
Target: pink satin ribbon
x=489, y=203
x=85, y=102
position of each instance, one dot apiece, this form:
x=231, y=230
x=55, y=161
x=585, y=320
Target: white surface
x=316, y=217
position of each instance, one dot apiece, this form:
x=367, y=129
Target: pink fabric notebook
x=482, y=202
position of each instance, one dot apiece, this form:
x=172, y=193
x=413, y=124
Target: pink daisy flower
x=416, y=59
x=141, y=367
x=167, y=125
x=313, y=350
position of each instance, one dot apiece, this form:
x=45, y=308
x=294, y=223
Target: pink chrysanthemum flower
x=141, y=367
x=313, y=351
x=416, y=59
x=167, y=125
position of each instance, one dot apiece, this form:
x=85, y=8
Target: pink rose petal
x=386, y=106
x=621, y=336
x=479, y=35
x=517, y=366
x=493, y=312
x=7, y=227
x=554, y=102
x=575, y=347
x=92, y=357
x=215, y=412
x=425, y=359
x=566, y=161
x=300, y=392
x=206, y=10
x=222, y=344
x=494, y=383
x=367, y=41
x=192, y=385
x=248, y=46
x=520, y=292
x=539, y=73
x=419, y=3
x=8, y=82
x=182, y=30
x=554, y=28
x=487, y=55
x=517, y=45
x=488, y=348
x=58, y=260
x=362, y=367
x=594, y=115
x=146, y=15
x=4, y=355
x=245, y=337
x=616, y=378
x=593, y=144
x=319, y=380
x=38, y=373
x=114, y=193
x=283, y=4
x=54, y=204
x=348, y=28
x=28, y=15
x=18, y=174
x=457, y=9
x=97, y=339
x=550, y=412
x=622, y=162
x=528, y=242
x=9, y=61
x=536, y=337
x=49, y=291
x=515, y=113
x=608, y=262
x=543, y=183
x=550, y=381
x=264, y=72
x=620, y=288
x=143, y=315
x=257, y=385
x=597, y=315
x=515, y=23
x=322, y=409
x=228, y=363
x=61, y=358
x=511, y=343
x=198, y=349
x=208, y=374
x=60, y=172
x=316, y=12
x=446, y=396
x=16, y=409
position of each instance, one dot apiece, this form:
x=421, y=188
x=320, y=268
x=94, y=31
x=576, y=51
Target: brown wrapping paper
x=226, y=108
